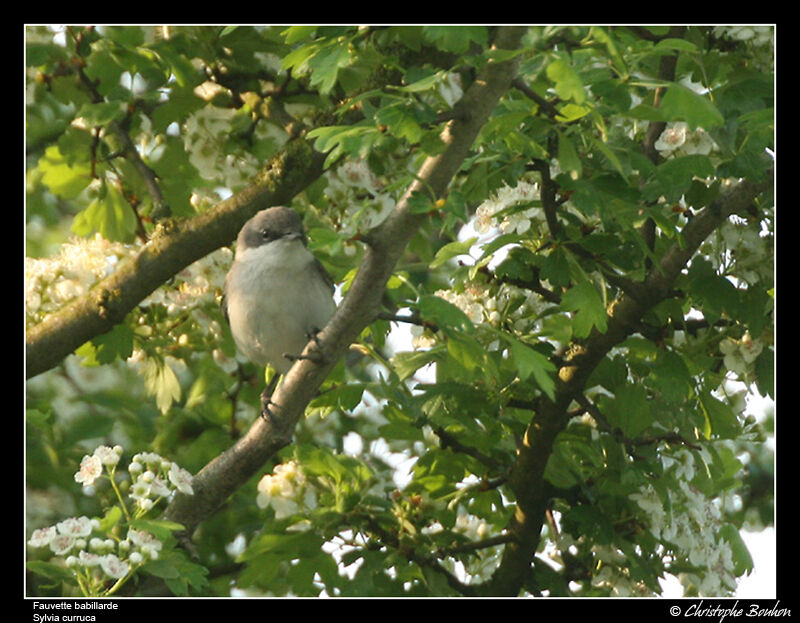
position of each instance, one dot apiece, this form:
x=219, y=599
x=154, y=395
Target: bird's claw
x=266, y=400
x=316, y=357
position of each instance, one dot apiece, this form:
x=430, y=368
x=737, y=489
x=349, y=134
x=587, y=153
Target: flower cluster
x=688, y=524
x=195, y=285
x=358, y=196
x=472, y=301
x=509, y=210
x=759, y=35
x=759, y=39
x=677, y=138
x=742, y=251
x=611, y=571
x=155, y=478
x=96, y=555
x=505, y=305
x=496, y=212
x=95, y=560
x=739, y=355
x=474, y=528
x=92, y=464
x=286, y=491
x=206, y=137
x=51, y=283
x=615, y=574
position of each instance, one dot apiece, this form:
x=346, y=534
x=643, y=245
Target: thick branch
x=527, y=475
x=222, y=476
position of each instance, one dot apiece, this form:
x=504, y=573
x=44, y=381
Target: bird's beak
x=297, y=236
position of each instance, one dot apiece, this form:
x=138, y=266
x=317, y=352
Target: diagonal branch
x=386, y=244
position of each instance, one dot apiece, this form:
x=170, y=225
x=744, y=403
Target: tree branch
x=527, y=475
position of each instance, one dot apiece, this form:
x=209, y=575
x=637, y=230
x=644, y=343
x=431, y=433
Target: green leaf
x=162, y=529
x=51, y=571
x=160, y=381
x=178, y=572
x=671, y=376
x=742, y=560
x=585, y=302
x=530, y=362
x=346, y=472
x=555, y=267
x=420, y=203
x=676, y=174
x=101, y=113
x=711, y=292
x=110, y=215
x=344, y=397
x=63, y=179
x=325, y=65
x=467, y=351
x=630, y=410
x=572, y=112
x=568, y=83
x=444, y=315
x=110, y=519
x=681, y=45
x=298, y=59
x=765, y=372
x=185, y=73
x=405, y=364
x=341, y=139
x=293, y=34
x=421, y=84
x=323, y=59
x=401, y=121
x=451, y=250
x=610, y=156
x=456, y=39
x=722, y=421
x=682, y=104
x=568, y=158
x=117, y=343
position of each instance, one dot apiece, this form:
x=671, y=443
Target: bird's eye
x=268, y=234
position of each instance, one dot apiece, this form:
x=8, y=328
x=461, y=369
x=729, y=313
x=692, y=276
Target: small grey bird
x=277, y=294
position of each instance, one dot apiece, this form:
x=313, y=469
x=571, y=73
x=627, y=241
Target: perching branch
x=386, y=244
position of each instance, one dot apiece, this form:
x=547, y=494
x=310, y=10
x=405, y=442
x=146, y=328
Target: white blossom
x=146, y=543
x=113, y=567
x=75, y=527
x=50, y=283
x=677, y=137
x=181, y=478
x=285, y=490
x=91, y=469
x=42, y=536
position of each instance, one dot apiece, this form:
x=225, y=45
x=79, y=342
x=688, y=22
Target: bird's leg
x=266, y=398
